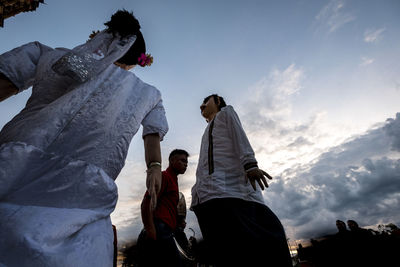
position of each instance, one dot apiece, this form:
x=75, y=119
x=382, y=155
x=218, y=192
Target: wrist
x=251, y=169
x=153, y=164
x=250, y=166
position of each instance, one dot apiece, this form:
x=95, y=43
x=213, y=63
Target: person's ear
x=171, y=160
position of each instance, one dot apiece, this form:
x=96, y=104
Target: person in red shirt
x=155, y=242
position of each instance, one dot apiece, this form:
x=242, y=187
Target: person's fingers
x=266, y=174
x=260, y=183
x=264, y=181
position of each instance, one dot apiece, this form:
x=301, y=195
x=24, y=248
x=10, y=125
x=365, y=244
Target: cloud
x=131, y=187
x=366, y=61
x=300, y=141
x=321, y=171
x=392, y=129
x=359, y=179
x=267, y=117
x=373, y=35
x=270, y=101
x=333, y=16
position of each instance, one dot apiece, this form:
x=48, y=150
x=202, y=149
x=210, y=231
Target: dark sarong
x=160, y=252
x=242, y=233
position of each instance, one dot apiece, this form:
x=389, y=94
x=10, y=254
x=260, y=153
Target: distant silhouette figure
x=339, y=247
x=341, y=226
x=342, y=233
x=358, y=232
x=362, y=244
x=357, y=247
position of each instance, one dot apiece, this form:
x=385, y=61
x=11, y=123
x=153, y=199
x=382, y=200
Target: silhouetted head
x=341, y=225
x=353, y=225
x=211, y=105
x=124, y=24
x=178, y=160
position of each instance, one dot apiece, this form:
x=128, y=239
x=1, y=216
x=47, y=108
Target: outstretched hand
x=153, y=184
x=259, y=176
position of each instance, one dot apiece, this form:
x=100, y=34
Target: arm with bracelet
x=153, y=161
x=155, y=127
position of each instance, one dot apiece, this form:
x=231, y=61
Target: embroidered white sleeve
x=156, y=121
x=240, y=141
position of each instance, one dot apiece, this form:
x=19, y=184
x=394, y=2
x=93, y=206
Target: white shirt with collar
x=231, y=151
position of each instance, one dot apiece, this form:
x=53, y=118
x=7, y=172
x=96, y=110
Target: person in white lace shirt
x=240, y=230
x=60, y=155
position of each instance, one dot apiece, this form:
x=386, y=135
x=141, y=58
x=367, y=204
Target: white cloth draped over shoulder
x=60, y=155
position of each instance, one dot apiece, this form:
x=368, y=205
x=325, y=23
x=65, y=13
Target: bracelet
x=153, y=163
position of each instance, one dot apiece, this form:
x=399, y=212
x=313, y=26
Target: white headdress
x=87, y=60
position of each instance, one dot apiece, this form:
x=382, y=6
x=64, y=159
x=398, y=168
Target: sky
x=315, y=83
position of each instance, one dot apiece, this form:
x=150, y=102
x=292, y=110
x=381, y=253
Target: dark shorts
x=242, y=233
x=160, y=252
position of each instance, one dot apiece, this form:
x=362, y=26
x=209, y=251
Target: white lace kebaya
x=60, y=155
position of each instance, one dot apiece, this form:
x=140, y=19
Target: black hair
x=125, y=24
x=137, y=49
x=219, y=100
x=177, y=152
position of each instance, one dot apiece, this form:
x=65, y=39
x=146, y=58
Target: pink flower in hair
x=145, y=60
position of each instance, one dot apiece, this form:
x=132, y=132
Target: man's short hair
x=178, y=152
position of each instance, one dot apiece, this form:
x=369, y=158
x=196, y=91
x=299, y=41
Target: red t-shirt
x=167, y=200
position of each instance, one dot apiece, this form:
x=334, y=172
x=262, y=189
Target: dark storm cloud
x=392, y=129
x=359, y=179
